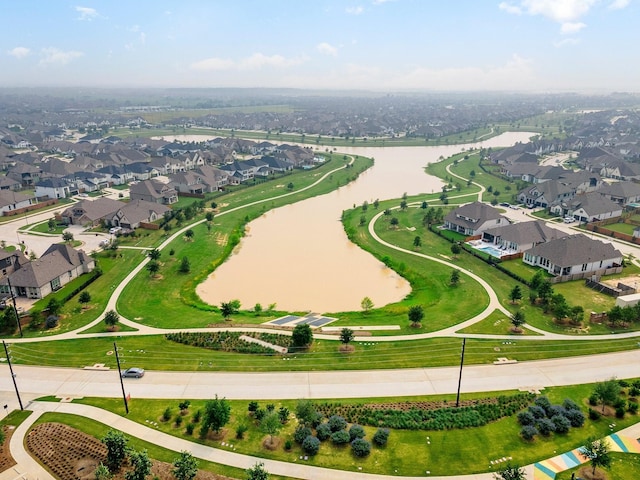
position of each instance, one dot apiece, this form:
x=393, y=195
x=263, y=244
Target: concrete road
x=35, y=381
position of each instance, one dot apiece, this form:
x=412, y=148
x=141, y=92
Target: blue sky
x=382, y=45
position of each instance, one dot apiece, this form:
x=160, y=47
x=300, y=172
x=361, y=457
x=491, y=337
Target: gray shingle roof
x=523, y=233
x=575, y=250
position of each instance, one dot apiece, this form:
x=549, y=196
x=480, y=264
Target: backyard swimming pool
x=496, y=252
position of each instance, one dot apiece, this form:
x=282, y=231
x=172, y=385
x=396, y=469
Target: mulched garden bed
x=6, y=460
x=70, y=454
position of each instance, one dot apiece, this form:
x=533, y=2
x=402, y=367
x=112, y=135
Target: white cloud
x=515, y=10
x=327, y=49
x=354, y=10
x=558, y=10
x=566, y=41
x=56, y=56
x=19, y=52
x=569, y=28
x=254, y=62
x=380, y=2
x=619, y=4
x=86, y=13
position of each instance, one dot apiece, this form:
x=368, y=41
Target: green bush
x=336, y=423
x=528, y=432
x=311, y=445
x=301, y=433
x=288, y=445
x=381, y=437
x=632, y=407
x=189, y=429
x=341, y=437
x=323, y=432
x=197, y=416
x=620, y=411
x=360, y=447
x=356, y=431
x=166, y=415
x=561, y=424
x=593, y=414
x=240, y=431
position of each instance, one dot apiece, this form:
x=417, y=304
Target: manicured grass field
x=409, y=452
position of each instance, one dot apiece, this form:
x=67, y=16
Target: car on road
x=505, y=204
x=133, y=373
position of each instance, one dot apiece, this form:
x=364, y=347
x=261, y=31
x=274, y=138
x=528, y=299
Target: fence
x=584, y=275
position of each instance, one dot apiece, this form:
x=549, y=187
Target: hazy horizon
x=373, y=45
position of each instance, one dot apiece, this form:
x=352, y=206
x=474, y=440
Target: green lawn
x=624, y=466
x=470, y=450
x=625, y=228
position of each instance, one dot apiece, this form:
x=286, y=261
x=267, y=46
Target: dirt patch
x=6, y=460
x=631, y=281
x=70, y=454
x=587, y=474
x=347, y=348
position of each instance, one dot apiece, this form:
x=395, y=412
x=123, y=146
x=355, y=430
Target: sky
x=584, y=46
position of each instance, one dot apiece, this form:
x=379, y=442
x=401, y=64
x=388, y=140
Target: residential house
x=11, y=261
x=59, y=265
x=7, y=183
x=575, y=254
x=588, y=207
x=623, y=193
x=132, y=214
x=142, y=170
x=116, y=174
x=545, y=194
x=153, y=191
x=188, y=182
x=10, y=201
x=214, y=178
x=53, y=188
x=521, y=236
x=278, y=164
x=27, y=175
x=239, y=171
x=91, y=212
x=473, y=218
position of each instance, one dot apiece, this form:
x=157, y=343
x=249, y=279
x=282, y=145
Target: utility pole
x=15, y=309
x=124, y=395
x=464, y=340
x=13, y=375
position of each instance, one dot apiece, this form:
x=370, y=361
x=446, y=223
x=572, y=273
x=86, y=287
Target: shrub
x=270, y=407
x=632, y=407
x=288, y=445
x=528, y=432
x=623, y=383
x=356, y=431
x=620, y=403
x=545, y=426
x=620, y=411
x=341, y=437
x=576, y=417
x=178, y=420
x=556, y=410
x=381, y=437
x=360, y=447
x=526, y=418
x=311, y=445
x=189, y=429
x=197, y=416
x=593, y=400
x=336, y=423
x=561, y=423
x=283, y=415
x=259, y=414
x=544, y=403
x=323, y=432
x=184, y=405
x=301, y=433
x=50, y=322
x=240, y=431
x=593, y=414
x=634, y=391
x=253, y=406
x=569, y=404
x=166, y=415
x=537, y=412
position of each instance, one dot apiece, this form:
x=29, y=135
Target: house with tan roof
x=132, y=214
x=90, y=212
x=10, y=201
x=473, y=218
x=153, y=191
x=521, y=236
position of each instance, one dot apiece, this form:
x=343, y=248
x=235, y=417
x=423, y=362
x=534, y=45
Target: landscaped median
x=473, y=438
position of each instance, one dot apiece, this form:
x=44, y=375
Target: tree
x=102, y=472
x=189, y=234
x=257, y=472
x=226, y=308
x=290, y=186
x=155, y=254
x=596, y=450
x=403, y=205
x=515, y=294
x=217, y=413
x=306, y=412
x=153, y=267
x=185, y=265
x=366, y=304
x=517, y=320
x=455, y=277
x=271, y=425
x=394, y=222
x=576, y=314
x=302, y=336
x=51, y=224
x=141, y=465
x=111, y=318
x=209, y=216
x=116, y=444
x=510, y=472
x=417, y=241
x=346, y=336
x=607, y=392
x=416, y=314
x=455, y=249
x=54, y=306
x=67, y=237
x=85, y=297
x=185, y=466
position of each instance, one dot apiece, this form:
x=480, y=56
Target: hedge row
x=229, y=341
x=445, y=418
